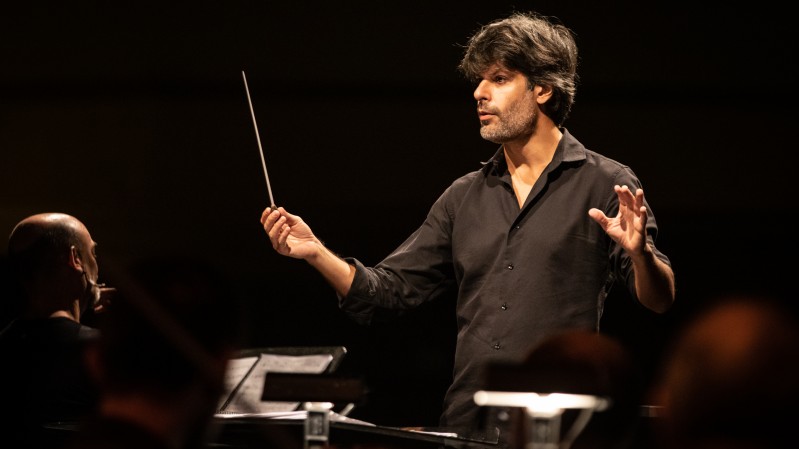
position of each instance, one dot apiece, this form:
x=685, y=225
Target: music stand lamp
x=543, y=414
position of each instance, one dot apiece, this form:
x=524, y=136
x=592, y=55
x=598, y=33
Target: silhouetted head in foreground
x=731, y=378
x=163, y=351
x=580, y=362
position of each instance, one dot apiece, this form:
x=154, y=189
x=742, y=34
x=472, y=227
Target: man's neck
x=43, y=306
x=528, y=158
x=64, y=314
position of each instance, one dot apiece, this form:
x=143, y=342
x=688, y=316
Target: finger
x=626, y=197
x=291, y=218
x=639, y=199
x=107, y=292
x=276, y=229
x=271, y=219
x=598, y=216
x=284, y=236
x=624, y=192
x=265, y=217
x=273, y=233
x=265, y=214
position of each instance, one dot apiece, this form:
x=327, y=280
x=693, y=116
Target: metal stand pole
x=543, y=432
x=317, y=425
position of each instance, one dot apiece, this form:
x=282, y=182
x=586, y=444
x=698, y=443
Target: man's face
x=506, y=105
x=88, y=251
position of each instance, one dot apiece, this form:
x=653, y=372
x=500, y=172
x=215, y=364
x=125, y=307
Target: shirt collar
x=569, y=150
x=497, y=164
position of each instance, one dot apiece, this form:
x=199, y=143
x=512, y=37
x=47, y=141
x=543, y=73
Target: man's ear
x=75, y=261
x=542, y=93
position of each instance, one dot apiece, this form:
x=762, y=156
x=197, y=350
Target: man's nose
x=481, y=92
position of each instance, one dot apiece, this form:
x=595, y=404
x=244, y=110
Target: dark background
x=133, y=118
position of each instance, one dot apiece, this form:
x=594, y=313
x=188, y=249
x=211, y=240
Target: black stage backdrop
x=134, y=119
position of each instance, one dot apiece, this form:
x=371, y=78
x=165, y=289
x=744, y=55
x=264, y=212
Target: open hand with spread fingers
x=628, y=227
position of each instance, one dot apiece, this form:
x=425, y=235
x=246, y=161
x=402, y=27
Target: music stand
x=543, y=412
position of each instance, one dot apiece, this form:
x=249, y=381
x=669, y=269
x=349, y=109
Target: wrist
x=643, y=256
x=317, y=253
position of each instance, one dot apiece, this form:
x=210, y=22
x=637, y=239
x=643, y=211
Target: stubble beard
x=518, y=120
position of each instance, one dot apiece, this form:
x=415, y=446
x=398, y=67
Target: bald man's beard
x=520, y=120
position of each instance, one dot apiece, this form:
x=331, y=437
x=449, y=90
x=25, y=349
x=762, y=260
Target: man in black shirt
x=532, y=242
x=53, y=260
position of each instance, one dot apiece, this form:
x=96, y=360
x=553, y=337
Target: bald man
x=53, y=260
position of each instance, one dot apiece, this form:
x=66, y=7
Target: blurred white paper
x=244, y=381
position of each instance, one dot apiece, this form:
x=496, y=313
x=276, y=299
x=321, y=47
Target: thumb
x=598, y=216
x=290, y=218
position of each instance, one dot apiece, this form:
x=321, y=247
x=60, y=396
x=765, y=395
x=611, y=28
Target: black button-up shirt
x=520, y=273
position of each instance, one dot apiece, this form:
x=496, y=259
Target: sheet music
x=246, y=398
x=298, y=414
x=236, y=370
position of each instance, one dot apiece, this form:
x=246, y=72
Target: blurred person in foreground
x=161, y=358
x=731, y=379
x=578, y=362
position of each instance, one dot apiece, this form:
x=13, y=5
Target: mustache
x=482, y=109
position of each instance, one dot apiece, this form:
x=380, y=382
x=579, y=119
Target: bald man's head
x=53, y=258
x=41, y=243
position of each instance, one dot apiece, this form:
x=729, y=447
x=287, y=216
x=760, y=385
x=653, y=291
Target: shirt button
x=510, y=266
x=496, y=346
x=504, y=306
